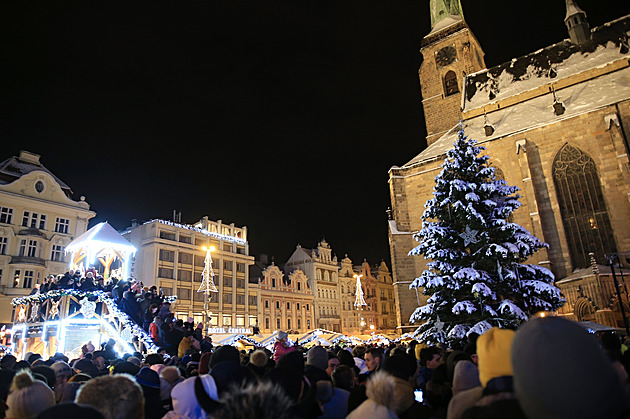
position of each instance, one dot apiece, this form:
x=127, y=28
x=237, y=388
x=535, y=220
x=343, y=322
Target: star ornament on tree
x=469, y=236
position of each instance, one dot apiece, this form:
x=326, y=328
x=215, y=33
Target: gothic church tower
x=449, y=51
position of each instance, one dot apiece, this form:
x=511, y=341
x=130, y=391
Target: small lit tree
x=477, y=277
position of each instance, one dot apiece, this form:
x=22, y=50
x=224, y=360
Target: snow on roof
x=99, y=237
x=578, y=99
x=548, y=65
x=535, y=70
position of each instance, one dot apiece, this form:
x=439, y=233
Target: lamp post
x=207, y=282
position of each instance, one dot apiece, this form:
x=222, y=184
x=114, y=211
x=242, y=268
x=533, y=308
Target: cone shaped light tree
x=476, y=277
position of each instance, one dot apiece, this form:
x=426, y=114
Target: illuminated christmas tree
x=359, y=300
x=207, y=275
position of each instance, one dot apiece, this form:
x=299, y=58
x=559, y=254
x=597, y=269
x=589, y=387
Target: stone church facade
x=555, y=123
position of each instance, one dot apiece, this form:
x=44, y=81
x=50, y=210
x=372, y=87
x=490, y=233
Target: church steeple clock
x=449, y=52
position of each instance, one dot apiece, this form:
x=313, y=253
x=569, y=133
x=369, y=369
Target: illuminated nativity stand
x=104, y=244
x=359, y=301
x=207, y=281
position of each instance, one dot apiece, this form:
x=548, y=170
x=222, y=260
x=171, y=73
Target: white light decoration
x=207, y=281
x=359, y=300
x=202, y=231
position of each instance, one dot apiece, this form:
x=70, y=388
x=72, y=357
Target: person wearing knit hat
x=258, y=362
x=316, y=364
x=149, y=380
x=63, y=372
x=224, y=353
x=465, y=377
x=561, y=371
x=281, y=346
x=186, y=401
x=28, y=397
x=495, y=376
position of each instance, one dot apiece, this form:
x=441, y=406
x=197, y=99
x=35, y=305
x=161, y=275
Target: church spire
x=444, y=13
x=578, y=28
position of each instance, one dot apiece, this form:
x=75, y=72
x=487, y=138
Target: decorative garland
x=129, y=327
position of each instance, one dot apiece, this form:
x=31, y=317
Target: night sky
x=283, y=116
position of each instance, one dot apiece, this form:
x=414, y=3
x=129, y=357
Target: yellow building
x=38, y=219
x=379, y=313
x=170, y=255
x=286, y=301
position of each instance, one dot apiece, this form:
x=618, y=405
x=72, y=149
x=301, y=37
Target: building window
x=199, y=296
x=582, y=207
x=57, y=253
x=28, y=279
x=183, y=293
x=166, y=255
x=240, y=299
x=240, y=283
x=165, y=273
x=298, y=306
x=34, y=220
x=450, y=83
x=251, y=300
x=278, y=324
x=288, y=323
x=227, y=247
x=183, y=275
x=240, y=321
x=166, y=235
x=267, y=323
x=266, y=303
x=28, y=248
x=278, y=304
x=308, y=324
x=240, y=267
x=16, y=277
x=273, y=282
x=186, y=258
x=200, y=260
x=62, y=225
x=227, y=298
x=299, y=323
x=308, y=307
x=185, y=239
x=4, y=243
x=227, y=320
x=288, y=306
x=227, y=281
x=6, y=215
x=227, y=265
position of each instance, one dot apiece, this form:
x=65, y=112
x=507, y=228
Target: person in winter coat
x=281, y=346
x=381, y=402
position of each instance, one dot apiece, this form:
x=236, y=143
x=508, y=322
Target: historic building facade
x=554, y=123
x=38, y=219
x=379, y=313
x=171, y=256
x=322, y=270
x=286, y=301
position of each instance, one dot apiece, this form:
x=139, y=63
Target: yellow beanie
x=493, y=351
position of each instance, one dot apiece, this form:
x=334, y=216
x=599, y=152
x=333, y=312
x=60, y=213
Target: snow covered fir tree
x=476, y=277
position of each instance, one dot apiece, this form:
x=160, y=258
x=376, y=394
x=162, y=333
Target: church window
x=582, y=207
x=450, y=83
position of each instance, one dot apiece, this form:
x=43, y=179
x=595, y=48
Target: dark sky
x=283, y=116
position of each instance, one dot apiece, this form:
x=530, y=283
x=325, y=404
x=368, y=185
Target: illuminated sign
x=229, y=330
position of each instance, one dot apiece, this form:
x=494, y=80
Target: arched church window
x=450, y=83
x=582, y=207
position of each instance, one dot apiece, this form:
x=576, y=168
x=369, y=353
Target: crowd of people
x=549, y=368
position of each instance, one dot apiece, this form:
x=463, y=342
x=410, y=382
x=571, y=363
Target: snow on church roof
x=539, y=69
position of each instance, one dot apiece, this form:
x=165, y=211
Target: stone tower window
x=582, y=207
x=450, y=83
